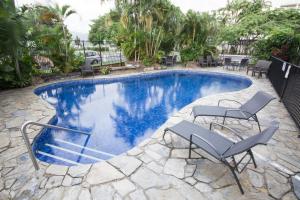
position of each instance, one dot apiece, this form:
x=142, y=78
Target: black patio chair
x=259, y=64
x=202, y=62
x=87, y=69
x=220, y=147
x=246, y=111
x=227, y=63
x=243, y=64
x=218, y=61
x=169, y=61
x=163, y=61
x=261, y=67
x=174, y=59
x=211, y=61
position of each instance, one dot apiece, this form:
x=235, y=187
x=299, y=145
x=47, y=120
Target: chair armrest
x=228, y=100
x=235, y=132
x=204, y=140
x=256, y=68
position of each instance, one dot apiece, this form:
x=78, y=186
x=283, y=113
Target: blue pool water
x=119, y=112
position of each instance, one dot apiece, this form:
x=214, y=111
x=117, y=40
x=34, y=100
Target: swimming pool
x=119, y=112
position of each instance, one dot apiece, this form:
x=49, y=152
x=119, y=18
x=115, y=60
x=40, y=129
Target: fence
x=285, y=78
x=104, y=53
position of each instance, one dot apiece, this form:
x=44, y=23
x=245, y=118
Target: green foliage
x=49, y=34
x=77, y=61
x=148, y=61
x=105, y=70
x=281, y=37
x=8, y=76
x=29, y=31
x=190, y=53
x=141, y=38
x=158, y=56
x=106, y=27
x=158, y=29
x=274, y=31
x=14, y=72
x=282, y=43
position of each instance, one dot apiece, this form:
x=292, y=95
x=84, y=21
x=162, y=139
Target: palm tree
x=11, y=32
x=62, y=13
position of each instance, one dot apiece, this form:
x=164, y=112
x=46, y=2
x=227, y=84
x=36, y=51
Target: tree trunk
x=158, y=41
x=15, y=52
x=17, y=65
x=135, y=31
x=65, y=38
x=194, y=32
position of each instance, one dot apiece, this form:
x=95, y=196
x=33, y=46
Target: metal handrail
x=27, y=142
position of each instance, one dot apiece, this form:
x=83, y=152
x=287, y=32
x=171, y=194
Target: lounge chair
x=246, y=111
x=220, y=147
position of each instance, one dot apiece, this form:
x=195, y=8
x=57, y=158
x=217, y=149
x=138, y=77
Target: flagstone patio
x=155, y=169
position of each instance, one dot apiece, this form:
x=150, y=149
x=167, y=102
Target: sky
x=87, y=10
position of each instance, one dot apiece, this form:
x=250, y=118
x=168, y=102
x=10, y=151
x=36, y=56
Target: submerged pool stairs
x=63, y=149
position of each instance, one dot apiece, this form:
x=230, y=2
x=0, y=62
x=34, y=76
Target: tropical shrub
x=32, y=31
x=272, y=31
x=77, y=61
x=282, y=37
x=142, y=29
x=15, y=66
x=105, y=70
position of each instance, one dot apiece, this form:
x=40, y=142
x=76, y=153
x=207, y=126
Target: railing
x=285, y=78
x=27, y=142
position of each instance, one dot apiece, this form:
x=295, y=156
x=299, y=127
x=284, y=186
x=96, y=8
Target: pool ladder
x=27, y=142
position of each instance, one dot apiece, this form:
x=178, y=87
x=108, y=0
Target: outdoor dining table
x=235, y=62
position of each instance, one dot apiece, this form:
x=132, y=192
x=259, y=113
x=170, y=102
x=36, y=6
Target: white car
x=92, y=57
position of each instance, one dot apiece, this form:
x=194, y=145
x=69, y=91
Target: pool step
x=73, y=152
x=83, y=147
x=58, y=158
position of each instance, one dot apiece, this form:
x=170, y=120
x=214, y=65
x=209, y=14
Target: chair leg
x=237, y=180
x=235, y=164
x=190, y=148
x=252, y=157
x=165, y=131
x=256, y=119
x=194, y=119
x=258, y=126
x=235, y=176
x=223, y=121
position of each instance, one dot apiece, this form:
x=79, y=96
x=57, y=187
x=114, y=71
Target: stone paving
x=155, y=169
